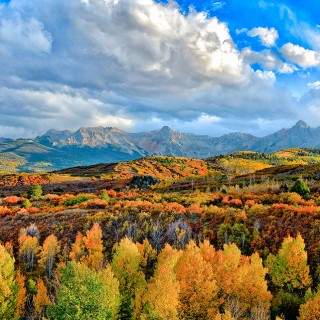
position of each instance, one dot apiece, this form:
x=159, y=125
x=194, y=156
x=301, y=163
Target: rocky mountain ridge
x=60, y=149
x=166, y=141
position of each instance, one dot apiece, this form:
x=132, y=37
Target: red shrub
x=12, y=200
x=33, y=210
x=112, y=193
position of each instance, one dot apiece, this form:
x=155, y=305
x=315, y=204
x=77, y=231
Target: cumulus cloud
x=269, y=60
x=267, y=36
x=37, y=108
x=305, y=58
x=287, y=68
x=77, y=63
x=95, y=39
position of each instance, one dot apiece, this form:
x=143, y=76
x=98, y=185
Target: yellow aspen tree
x=112, y=288
x=8, y=287
x=148, y=257
x=289, y=273
x=251, y=286
x=89, y=248
x=48, y=254
x=311, y=309
x=208, y=252
x=289, y=268
x=224, y=316
x=28, y=250
x=93, y=247
x=163, y=289
x=41, y=300
x=9, y=247
x=22, y=295
x=260, y=312
x=78, y=248
x=168, y=256
x=241, y=280
x=225, y=264
x=198, y=289
x=126, y=268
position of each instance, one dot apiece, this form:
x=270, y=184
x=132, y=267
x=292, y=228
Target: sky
x=205, y=67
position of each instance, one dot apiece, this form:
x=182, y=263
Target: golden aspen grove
x=220, y=246
x=159, y=160
x=217, y=248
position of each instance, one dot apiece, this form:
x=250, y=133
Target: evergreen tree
x=301, y=188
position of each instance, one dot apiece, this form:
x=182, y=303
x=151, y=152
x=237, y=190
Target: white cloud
x=312, y=36
x=24, y=35
x=141, y=37
x=268, y=59
x=243, y=30
x=84, y=63
x=217, y=5
x=309, y=33
x=266, y=75
x=267, y=36
x=300, y=56
x=203, y=124
x=315, y=84
x=287, y=68
x=168, y=41
x=58, y=107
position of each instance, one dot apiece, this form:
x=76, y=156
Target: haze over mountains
x=60, y=149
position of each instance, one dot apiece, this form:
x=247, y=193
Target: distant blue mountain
x=61, y=149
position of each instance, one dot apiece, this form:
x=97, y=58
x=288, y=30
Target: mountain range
x=60, y=149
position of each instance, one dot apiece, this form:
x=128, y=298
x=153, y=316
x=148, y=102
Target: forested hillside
x=233, y=237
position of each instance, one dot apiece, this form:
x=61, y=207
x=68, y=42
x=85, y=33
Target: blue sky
x=289, y=18
x=208, y=67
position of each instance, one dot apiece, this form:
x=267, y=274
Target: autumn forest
x=227, y=238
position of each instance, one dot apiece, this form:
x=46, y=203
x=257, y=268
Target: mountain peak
x=165, y=129
x=301, y=124
x=56, y=133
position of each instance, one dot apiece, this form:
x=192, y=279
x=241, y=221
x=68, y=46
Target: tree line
x=140, y=281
